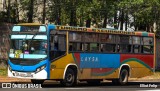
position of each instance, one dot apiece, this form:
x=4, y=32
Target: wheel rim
x=69, y=78
x=124, y=76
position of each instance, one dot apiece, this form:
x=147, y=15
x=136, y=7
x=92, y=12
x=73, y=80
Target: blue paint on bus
x=91, y=60
x=27, y=68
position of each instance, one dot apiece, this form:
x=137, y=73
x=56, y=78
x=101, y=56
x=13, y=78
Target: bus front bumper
x=28, y=75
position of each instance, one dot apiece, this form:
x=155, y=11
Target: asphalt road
x=106, y=86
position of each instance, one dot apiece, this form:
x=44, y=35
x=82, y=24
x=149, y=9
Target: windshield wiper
x=32, y=40
x=23, y=46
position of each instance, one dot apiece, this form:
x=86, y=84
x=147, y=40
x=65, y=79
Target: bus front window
x=38, y=47
x=28, y=48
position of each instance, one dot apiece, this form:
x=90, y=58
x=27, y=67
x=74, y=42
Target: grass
x=3, y=72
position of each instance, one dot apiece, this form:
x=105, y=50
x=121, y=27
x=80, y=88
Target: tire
x=35, y=81
x=70, y=78
x=123, y=78
x=94, y=82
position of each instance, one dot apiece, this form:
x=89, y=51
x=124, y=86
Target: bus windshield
x=35, y=48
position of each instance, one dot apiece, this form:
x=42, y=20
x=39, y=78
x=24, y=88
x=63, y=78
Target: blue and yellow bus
x=67, y=54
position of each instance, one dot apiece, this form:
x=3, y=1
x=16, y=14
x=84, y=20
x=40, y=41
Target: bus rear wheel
x=70, y=78
x=123, y=78
x=36, y=81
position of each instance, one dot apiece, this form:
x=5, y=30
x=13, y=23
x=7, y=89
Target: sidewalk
x=8, y=79
x=152, y=78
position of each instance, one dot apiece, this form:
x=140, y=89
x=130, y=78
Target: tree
x=44, y=11
x=30, y=12
x=8, y=11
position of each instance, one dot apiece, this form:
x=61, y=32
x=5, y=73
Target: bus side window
x=57, y=45
x=87, y=47
x=118, y=48
x=94, y=47
x=125, y=48
x=70, y=48
x=51, y=46
x=136, y=48
x=56, y=42
x=147, y=49
x=51, y=42
x=129, y=48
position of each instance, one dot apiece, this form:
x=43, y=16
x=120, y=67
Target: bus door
x=57, y=44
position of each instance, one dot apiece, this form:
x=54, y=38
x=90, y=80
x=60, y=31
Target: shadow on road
x=105, y=84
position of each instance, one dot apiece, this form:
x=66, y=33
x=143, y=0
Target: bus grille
x=25, y=62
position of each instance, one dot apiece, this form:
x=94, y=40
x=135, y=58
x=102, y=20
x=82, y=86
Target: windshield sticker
x=18, y=53
x=11, y=51
x=26, y=52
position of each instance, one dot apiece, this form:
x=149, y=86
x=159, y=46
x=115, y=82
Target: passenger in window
x=56, y=41
x=102, y=48
x=118, y=48
x=43, y=48
x=150, y=41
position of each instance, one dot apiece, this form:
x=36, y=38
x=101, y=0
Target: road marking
x=82, y=88
x=76, y=88
x=150, y=90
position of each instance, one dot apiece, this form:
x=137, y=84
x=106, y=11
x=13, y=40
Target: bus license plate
x=24, y=74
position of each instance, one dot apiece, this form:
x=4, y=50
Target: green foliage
x=145, y=12
x=3, y=72
x=3, y=17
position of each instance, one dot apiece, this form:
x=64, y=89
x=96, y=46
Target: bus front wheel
x=123, y=78
x=70, y=78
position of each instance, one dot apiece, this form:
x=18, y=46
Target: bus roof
x=29, y=24
x=102, y=30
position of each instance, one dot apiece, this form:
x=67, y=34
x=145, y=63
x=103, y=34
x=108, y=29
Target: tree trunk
x=105, y=22
x=122, y=19
x=81, y=22
x=115, y=20
x=44, y=11
x=88, y=22
x=30, y=14
x=8, y=11
x=73, y=18
x=81, y=18
x=17, y=11
x=58, y=12
x=59, y=16
x=126, y=21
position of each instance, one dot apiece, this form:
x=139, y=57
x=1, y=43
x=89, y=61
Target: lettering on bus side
x=91, y=59
x=71, y=28
x=93, y=30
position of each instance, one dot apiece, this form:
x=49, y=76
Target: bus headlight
x=9, y=67
x=40, y=68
